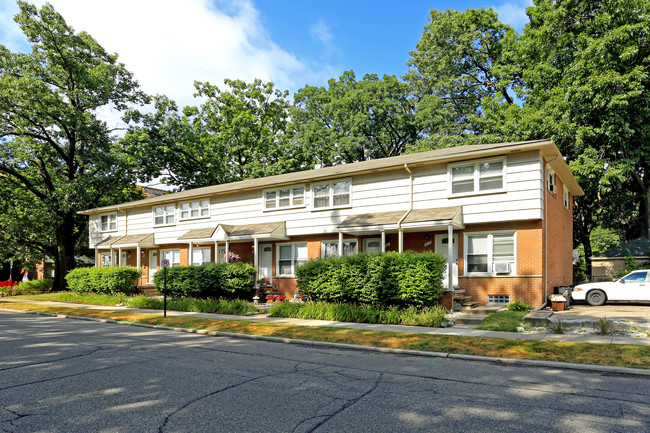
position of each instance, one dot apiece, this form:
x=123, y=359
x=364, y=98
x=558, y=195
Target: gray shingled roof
x=639, y=247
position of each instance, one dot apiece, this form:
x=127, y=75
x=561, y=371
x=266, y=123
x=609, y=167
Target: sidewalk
x=458, y=330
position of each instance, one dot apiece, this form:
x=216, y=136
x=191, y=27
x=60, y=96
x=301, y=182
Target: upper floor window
x=108, y=222
x=477, y=177
x=332, y=194
x=164, y=215
x=195, y=209
x=283, y=198
x=550, y=181
x=567, y=197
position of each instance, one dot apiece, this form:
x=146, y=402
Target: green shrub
x=111, y=280
x=211, y=280
x=407, y=279
x=219, y=306
x=33, y=287
x=519, y=306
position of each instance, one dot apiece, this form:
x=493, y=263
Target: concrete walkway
x=458, y=330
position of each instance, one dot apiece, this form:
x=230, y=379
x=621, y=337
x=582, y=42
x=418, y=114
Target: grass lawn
x=584, y=353
x=503, y=321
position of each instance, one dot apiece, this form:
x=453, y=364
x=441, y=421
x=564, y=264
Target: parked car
x=635, y=286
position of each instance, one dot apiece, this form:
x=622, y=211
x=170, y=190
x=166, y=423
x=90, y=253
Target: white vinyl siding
x=485, y=250
x=164, y=215
x=331, y=248
x=284, y=198
x=195, y=209
x=335, y=194
x=290, y=256
x=477, y=177
x=201, y=256
x=108, y=222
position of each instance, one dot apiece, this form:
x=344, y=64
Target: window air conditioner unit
x=502, y=268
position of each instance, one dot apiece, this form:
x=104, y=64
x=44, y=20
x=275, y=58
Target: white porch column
x=98, y=259
x=113, y=261
x=383, y=241
x=340, y=244
x=256, y=263
x=119, y=260
x=401, y=240
x=189, y=252
x=138, y=252
x=227, y=250
x=216, y=252
x=450, y=257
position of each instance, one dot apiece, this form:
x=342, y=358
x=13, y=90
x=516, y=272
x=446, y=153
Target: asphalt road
x=62, y=375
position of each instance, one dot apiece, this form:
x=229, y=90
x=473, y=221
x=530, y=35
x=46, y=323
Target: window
x=106, y=259
x=477, y=177
x=331, y=248
x=492, y=253
x=284, y=198
x=636, y=277
x=567, y=198
x=174, y=257
x=195, y=209
x=550, y=181
x=498, y=299
x=201, y=256
x=164, y=215
x=332, y=194
x=290, y=256
x=108, y=222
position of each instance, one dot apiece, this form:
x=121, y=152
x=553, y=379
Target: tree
x=236, y=134
x=56, y=156
x=351, y=121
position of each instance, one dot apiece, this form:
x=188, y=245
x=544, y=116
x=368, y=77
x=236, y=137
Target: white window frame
x=331, y=194
x=476, y=177
x=202, y=208
x=551, y=183
x=366, y=241
x=202, y=250
x=111, y=220
x=294, y=258
x=323, y=247
x=102, y=259
x=566, y=197
x=292, y=198
x=165, y=215
x=163, y=255
x=490, y=253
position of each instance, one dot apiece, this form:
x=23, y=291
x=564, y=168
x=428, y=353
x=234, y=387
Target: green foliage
x=602, y=239
x=33, y=286
x=218, y=306
x=506, y=321
x=632, y=264
x=56, y=156
x=519, y=306
x=107, y=280
x=429, y=316
x=211, y=280
x=407, y=279
x=91, y=298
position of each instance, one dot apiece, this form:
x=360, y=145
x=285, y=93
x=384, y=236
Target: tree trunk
x=64, y=260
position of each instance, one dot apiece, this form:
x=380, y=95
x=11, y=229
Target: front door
x=442, y=243
x=153, y=264
x=266, y=261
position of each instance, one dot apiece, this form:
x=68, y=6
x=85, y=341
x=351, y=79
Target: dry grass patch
x=562, y=351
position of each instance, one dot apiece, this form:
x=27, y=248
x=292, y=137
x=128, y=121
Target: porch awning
x=246, y=232
x=130, y=241
x=416, y=219
x=198, y=235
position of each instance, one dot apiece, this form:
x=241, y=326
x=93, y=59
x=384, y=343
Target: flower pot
x=558, y=305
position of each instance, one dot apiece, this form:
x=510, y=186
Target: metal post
x=165, y=292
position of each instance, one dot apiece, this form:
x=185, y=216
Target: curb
x=476, y=358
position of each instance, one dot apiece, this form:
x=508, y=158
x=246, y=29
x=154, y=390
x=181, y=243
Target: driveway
x=637, y=312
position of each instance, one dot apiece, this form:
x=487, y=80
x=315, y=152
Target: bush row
x=212, y=280
x=403, y=280
x=111, y=279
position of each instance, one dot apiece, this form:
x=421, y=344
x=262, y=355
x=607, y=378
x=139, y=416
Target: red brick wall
x=560, y=239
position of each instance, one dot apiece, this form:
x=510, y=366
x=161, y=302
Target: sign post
x=164, y=264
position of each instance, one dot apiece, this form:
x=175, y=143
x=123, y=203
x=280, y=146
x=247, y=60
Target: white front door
x=442, y=244
x=153, y=264
x=266, y=261
x=372, y=245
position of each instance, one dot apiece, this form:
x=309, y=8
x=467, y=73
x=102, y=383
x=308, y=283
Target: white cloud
x=514, y=13
x=321, y=31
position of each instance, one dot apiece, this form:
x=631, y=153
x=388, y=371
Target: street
x=62, y=375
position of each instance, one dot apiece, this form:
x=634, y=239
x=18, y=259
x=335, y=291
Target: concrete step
x=483, y=310
x=148, y=291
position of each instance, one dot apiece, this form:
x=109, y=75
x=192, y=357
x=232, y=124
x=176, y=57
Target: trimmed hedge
x=111, y=279
x=33, y=286
x=384, y=279
x=212, y=280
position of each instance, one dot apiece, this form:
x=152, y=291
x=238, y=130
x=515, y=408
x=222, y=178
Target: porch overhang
x=434, y=219
x=199, y=235
x=274, y=231
x=129, y=241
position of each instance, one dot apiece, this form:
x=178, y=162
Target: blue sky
x=169, y=44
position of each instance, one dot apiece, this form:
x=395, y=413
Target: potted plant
x=558, y=302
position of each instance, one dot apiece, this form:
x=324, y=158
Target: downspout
x=546, y=227
x=399, y=223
